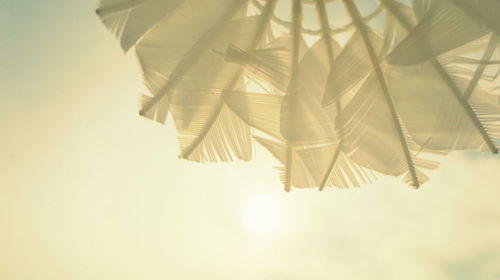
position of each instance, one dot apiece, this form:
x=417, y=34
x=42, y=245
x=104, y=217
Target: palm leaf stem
x=325, y=34
x=361, y=25
x=296, y=36
x=492, y=45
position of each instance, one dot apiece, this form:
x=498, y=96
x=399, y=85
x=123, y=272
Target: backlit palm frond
x=334, y=89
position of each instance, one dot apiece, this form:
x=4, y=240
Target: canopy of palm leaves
x=336, y=90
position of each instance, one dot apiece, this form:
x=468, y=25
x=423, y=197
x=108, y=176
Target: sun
x=262, y=214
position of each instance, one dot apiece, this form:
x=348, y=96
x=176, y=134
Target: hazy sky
x=89, y=190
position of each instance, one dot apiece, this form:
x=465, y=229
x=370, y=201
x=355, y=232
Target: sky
x=89, y=190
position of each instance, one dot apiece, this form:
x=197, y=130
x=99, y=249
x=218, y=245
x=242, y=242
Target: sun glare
x=262, y=214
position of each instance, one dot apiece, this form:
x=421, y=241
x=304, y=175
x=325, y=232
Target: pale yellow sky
x=89, y=190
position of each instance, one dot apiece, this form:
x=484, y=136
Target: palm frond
x=333, y=102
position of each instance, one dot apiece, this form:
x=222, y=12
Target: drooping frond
x=414, y=175
x=461, y=20
x=167, y=63
x=455, y=94
x=335, y=98
x=234, y=77
x=229, y=137
x=131, y=20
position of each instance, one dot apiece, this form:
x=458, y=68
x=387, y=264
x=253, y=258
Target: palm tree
x=390, y=91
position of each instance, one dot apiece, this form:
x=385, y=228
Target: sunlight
x=262, y=214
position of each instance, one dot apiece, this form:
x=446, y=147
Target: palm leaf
x=233, y=79
x=454, y=94
x=414, y=175
x=461, y=20
x=422, y=81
